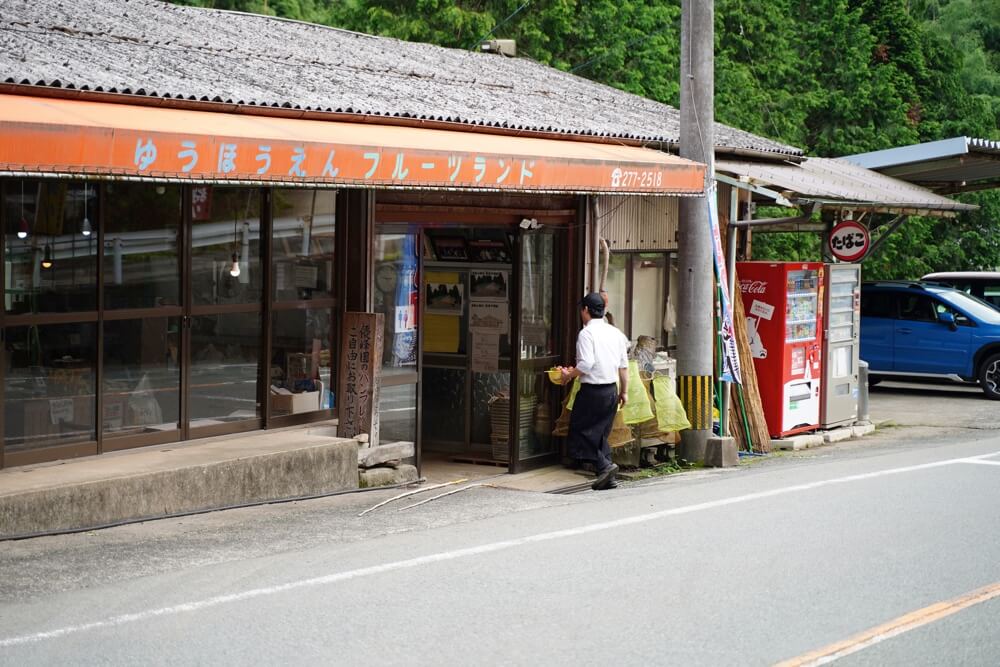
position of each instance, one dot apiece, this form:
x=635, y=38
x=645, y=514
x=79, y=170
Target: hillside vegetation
x=833, y=77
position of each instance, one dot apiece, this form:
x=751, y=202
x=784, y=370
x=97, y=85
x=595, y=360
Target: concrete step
x=167, y=479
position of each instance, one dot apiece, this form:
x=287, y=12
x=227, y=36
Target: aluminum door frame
x=843, y=409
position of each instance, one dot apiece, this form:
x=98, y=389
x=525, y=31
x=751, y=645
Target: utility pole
x=696, y=305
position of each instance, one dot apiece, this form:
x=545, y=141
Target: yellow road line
x=893, y=628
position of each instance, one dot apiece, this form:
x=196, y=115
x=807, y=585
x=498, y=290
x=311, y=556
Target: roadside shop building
x=193, y=199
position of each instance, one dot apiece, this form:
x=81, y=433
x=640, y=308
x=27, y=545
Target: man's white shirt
x=601, y=350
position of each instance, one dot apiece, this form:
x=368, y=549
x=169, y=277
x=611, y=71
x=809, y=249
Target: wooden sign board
x=360, y=375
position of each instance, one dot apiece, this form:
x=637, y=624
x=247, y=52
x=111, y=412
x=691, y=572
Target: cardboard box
x=290, y=404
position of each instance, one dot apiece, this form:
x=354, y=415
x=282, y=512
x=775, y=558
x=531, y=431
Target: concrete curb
x=810, y=440
x=310, y=470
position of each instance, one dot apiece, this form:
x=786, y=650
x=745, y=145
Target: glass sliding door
x=397, y=296
x=303, y=305
x=142, y=316
x=50, y=319
x=536, y=408
x=225, y=305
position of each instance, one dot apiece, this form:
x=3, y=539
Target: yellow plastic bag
x=670, y=414
x=572, y=393
x=637, y=405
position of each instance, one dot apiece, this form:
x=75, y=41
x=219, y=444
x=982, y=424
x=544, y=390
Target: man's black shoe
x=606, y=478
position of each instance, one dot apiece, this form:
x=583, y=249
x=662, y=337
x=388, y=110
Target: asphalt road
x=752, y=566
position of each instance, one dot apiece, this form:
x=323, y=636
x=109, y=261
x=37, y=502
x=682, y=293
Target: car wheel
x=989, y=377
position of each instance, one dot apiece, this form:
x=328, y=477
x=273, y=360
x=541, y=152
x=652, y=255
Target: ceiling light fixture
x=234, y=270
x=47, y=257
x=22, y=229
x=85, y=227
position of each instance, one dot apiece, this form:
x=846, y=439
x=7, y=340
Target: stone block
x=838, y=435
x=863, y=429
x=721, y=453
x=373, y=477
x=372, y=456
x=797, y=442
x=626, y=455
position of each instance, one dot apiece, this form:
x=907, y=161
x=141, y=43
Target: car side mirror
x=949, y=319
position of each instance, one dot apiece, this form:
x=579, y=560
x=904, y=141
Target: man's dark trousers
x=590, y=424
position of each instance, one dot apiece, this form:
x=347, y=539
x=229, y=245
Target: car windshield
x=971, y=305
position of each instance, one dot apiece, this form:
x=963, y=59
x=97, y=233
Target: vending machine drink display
x=784, y=310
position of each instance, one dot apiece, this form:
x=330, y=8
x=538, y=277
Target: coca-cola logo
x=753, y=286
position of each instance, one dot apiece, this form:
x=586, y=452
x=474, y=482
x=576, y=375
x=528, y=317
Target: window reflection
x=141, y=240
x=304, y=235
x=397, y=294
x=51, y=246
x=141, y=375
x=225, y=349
x=225, y=239
x=49, y=392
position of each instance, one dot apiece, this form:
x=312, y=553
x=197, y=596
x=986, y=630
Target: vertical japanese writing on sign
x=360, y=371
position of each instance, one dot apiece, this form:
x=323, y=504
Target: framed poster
x=488, y=285
x=444, y=299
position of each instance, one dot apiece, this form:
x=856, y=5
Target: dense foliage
x=834, y=77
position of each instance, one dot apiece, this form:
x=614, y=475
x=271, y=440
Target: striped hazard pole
x=695, y=392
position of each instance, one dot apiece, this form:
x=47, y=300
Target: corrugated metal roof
x=951, y=165
x=151, y=48
x=837, y=182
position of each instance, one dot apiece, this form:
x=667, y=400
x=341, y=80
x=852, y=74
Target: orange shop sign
x=73, y=136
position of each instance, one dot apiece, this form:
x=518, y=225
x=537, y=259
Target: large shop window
x=303, y=324
x=113, y=302
x=638, y=287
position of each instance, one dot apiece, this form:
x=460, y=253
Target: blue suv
x=925, y=330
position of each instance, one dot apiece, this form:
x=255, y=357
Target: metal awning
x=52, y=137
x=960, y=164
x=836, y=183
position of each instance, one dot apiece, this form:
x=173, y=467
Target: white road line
x=982, y=462
x=492, y=547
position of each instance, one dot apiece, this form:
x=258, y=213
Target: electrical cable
x=499, y=25
x=177, y=515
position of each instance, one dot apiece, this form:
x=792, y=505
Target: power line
x=501, y=24
x=635, y=41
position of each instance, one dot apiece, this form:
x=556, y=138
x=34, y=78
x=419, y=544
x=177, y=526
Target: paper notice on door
x=488, y=317
x=485, y=352
x=61, y=410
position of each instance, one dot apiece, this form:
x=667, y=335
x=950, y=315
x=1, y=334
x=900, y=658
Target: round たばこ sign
x=849, y=241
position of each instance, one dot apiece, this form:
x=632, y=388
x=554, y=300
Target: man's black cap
x=594, y=304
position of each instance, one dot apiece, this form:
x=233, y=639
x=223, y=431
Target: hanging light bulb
x=234, y=270
x=22, y=228
x=85, y=227
x=47, y=257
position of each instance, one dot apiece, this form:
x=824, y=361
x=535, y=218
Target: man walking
x=602, y=366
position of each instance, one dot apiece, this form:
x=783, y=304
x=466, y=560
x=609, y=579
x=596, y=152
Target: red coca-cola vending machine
x=784, y=311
